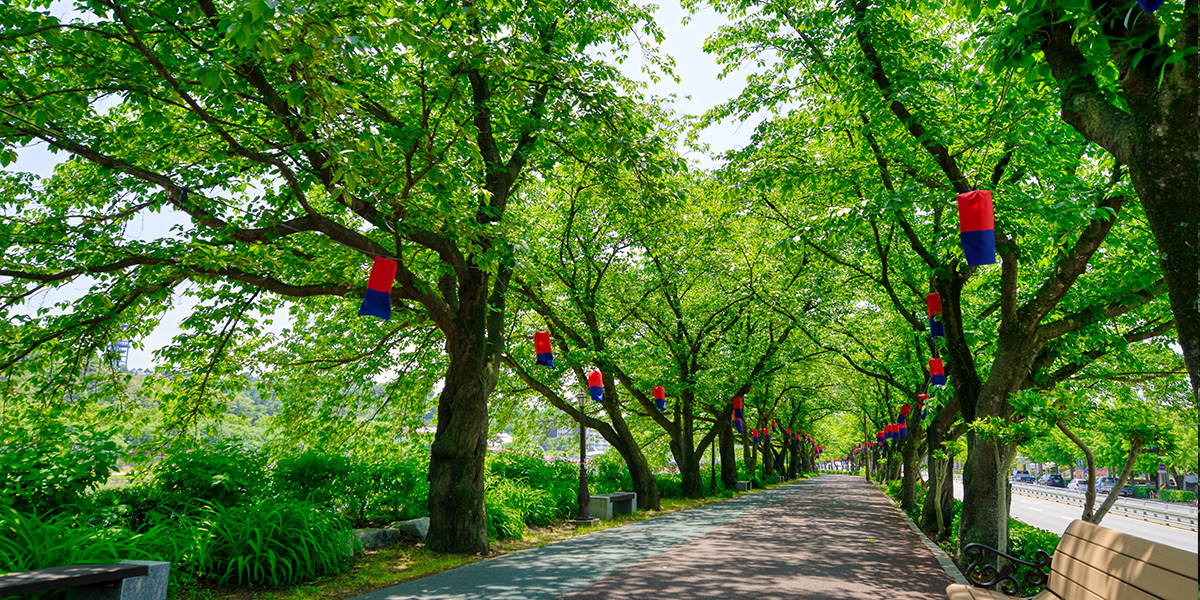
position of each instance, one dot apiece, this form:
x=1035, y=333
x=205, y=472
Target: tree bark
x=457, y=520
x=728, y=457
x=1089, y=498
x=1134, y=450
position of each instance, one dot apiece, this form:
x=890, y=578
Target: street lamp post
x=584, y=499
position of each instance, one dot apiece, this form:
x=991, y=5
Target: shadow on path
x=551, y=571
x=840, y=538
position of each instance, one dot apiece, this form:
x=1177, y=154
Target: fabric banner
x=976, y=227
x=541, y=346
x=377, y=300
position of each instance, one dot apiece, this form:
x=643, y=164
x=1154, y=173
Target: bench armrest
x=1005, y=577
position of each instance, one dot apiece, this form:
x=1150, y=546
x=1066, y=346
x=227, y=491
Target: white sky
x=697, y=91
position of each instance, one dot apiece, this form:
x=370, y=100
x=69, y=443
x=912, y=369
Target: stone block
x=375, y=538
x=149, y=587
x=415, y=527
x=744, y=486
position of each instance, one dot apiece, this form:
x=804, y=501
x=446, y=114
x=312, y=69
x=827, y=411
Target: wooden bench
x=128, y=580
x=1090, y=563
x=605, y=505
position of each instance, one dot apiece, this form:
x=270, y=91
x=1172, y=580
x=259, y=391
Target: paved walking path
x=830, y=537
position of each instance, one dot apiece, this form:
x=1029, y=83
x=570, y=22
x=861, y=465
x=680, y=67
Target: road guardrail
x=1177, y=518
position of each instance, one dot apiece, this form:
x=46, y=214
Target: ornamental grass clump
x=273, y=543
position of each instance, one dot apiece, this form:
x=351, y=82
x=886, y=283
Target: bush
x=274, y=543
x=391, y=490
x=224, y=474
x=269, y=543
x=609, y=473
x=1176, y=496
x=1143, y=492
x=314, y=476
x=504, y=522
x=669, y=485
x=47, y=466
x=1024, y=542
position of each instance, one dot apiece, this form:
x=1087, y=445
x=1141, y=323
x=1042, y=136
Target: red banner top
x=935, y=366
x=737, y=402
x=541, y=342
x=975, y=211
x=383, y=274
x=933, y=304
x=660, y=393
x=595, y=379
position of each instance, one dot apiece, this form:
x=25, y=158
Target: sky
x=697, y=90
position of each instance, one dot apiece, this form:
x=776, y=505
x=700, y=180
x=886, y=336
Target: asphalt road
x=1055, y=517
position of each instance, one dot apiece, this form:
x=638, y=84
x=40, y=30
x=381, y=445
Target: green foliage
x=225, y=474
x=268, y=543
x=1176, y=496
x=608, y=473
x=314, y=476
x=524, y=489
x=1025, y=541
x=47, y=466
x=273, y=543
x=670, y=485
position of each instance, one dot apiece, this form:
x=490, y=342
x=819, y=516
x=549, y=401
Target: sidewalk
x=831, y=537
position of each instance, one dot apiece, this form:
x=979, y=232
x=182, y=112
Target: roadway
x=1055, y=517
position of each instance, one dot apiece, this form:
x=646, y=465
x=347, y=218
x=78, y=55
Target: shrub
x=670, y=485
x=224, y=474
x=314, y=476
x=1176, y=496
x=274, y=543
x=1025, y=541
x=504, y=522
x=46, y=466
x=391, y=490
x=609, y=473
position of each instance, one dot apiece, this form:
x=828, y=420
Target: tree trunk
x=768, y=463
x=728, y=457
x=908, y=488
x=1134, y=450
x=457, y=521
x=1089, y=498
x=941, y=475
x=983, y=504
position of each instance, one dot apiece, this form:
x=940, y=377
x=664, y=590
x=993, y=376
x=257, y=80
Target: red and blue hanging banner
x=377, y=300
x=766, y=435
x=596, y=386
x=976, y=227
x=774, y=428
x=903, y=429
x=936, y=373
x=660, y=398
x=754, y=436
x=933, y=306
x=541, y=347
x=738, y=413
x=737, y=424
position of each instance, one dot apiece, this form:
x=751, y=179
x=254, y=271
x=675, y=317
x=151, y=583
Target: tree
x=1127, y=81
x=925, y=126
x=299, y=142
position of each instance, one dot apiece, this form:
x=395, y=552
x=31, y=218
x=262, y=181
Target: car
x=1104, y=485
x=1077, y=484
x=1022, y=477
x=1051, y=480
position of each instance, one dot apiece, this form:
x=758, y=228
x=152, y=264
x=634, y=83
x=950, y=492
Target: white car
x=1077, y=484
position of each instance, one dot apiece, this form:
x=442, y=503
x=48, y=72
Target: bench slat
x=56, y=578
x=1112, y=583
x=1141, y=574
x=1162, y=556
